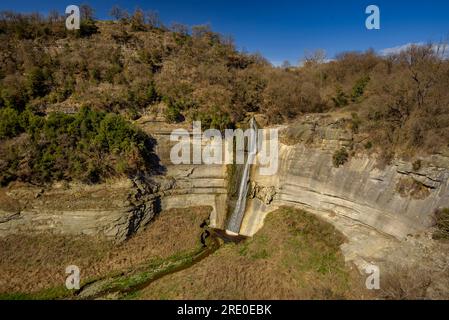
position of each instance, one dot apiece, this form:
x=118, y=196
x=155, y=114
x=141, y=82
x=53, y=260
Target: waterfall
x=236, y=219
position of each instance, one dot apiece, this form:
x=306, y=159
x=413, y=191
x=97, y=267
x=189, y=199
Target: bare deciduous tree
x=118, y=13
x=87, y=12
x=153, y=19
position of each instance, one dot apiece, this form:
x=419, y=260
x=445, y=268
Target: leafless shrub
x=404, y=283
x=442, y=224
x=409, y=187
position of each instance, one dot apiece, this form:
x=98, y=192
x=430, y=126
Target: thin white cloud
x=276, y=63
x=440, y=48
x=398, y=49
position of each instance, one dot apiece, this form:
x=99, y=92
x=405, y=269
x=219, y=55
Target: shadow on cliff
x=153, y=165
x=143, y=215
x=149, y=206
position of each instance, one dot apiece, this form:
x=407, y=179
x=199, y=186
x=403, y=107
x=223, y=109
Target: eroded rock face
x=120, y=209
x=385, y=214
x=264, y=194
x=398, y=200
x=198, y=186
x=114, y=210
x=193, y=184
x=361, y=191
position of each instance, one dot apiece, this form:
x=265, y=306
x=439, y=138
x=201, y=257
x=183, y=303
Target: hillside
x=135, y=66
x=87, y=177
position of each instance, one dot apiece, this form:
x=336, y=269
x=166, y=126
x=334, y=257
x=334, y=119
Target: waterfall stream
x=236, y=219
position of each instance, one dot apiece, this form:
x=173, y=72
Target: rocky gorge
x=386, y=213
x=398, y=199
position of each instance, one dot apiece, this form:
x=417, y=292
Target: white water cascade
x=236, y=219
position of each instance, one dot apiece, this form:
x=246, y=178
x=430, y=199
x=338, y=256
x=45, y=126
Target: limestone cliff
x=399, y=199
x=192, y=184
x=119, y=208
x=114, y=210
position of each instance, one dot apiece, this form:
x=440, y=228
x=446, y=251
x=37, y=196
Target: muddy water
x=221, y=234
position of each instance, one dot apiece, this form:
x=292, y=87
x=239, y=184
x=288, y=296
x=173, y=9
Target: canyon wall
x=114, y=210
x=398, y=199
x=191, y=184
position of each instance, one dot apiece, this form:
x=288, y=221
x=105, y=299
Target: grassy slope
x=36, y=264
x=294, y=256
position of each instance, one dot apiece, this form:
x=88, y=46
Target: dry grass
x=405, y=283
x=32, y=263
x=409, y=187
x=442, y=224
x=294, y=256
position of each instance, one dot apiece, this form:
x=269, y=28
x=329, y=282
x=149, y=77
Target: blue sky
x=284, y=29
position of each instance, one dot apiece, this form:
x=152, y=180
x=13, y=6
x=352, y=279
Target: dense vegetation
x=88, y=146
x=134, y=63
